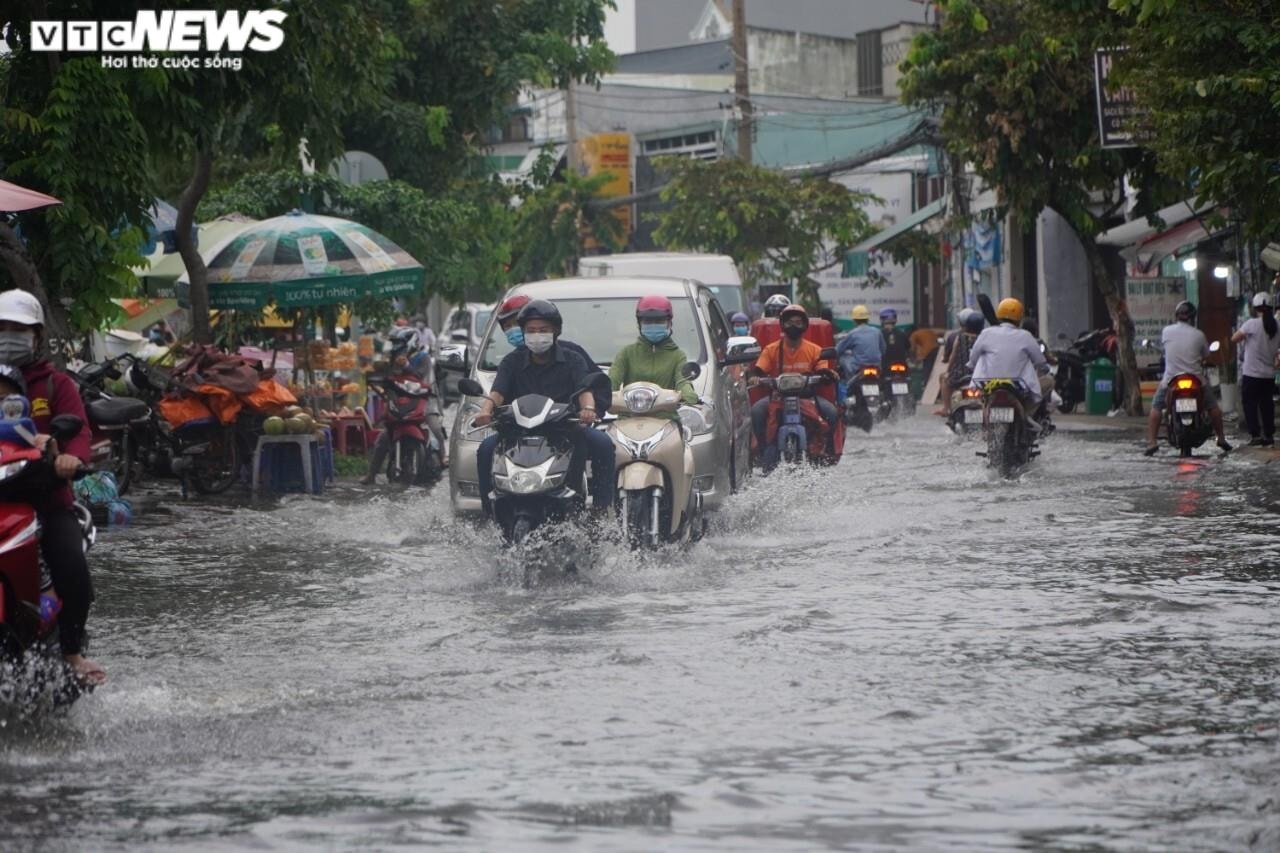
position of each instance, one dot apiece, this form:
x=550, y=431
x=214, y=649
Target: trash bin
x=1099, y=386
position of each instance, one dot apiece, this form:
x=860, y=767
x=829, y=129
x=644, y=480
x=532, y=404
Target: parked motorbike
x=897, y=398
x=1069, y=373
x=416, y=457
x=29, y=605
x=656, y=498
x=533, y=462
x=1006, y=426
x=120, y=424
x=862, y=400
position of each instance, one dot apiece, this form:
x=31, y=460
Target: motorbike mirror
x=827, y=354
x=1215, y=346
x=453, y=359
x=470, y=387
x=691, y=370
x=63, y=428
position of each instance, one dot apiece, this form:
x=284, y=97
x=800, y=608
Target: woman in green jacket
x=655, y=357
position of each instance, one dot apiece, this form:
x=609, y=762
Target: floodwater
x=898, y=653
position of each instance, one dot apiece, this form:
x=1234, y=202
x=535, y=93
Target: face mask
x=741, y=330
x=792, y=332
x=17, y=348
x=515, y=336
x=539, y=342
x=654, y=332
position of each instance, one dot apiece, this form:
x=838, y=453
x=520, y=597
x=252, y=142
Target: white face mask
x=539, y=342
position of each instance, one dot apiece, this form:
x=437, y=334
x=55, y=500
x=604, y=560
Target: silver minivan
x=599, y=315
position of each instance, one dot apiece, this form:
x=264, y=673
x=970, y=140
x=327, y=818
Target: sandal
x=86, y=672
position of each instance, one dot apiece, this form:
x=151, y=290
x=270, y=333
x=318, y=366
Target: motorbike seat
x=117, y=411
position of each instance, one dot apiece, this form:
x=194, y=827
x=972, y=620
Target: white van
x=717, y=272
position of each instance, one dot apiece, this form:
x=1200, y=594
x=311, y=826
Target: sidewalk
x=1138, y=425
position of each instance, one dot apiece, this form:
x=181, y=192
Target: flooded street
x=899, y=653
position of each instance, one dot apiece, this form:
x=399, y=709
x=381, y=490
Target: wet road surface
x=899, y=653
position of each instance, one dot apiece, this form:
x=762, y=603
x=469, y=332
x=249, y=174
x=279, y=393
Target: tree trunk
x=1120, y=322
x=22, y=270
x=191, y=258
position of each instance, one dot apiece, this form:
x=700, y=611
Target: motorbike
x=29, y=605
x=862, y=399
x=656, y=499
x=897, y=398
x=416, y=457
x=800, y=433
x=1006, y=426
x=966, y=413
x=1069, y=373
x=120, y=424
x=1186, y=417
x=535, y=480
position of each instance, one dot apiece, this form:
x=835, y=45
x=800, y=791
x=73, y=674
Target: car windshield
x=604, y=326
x=482, y=319
x=729, y=296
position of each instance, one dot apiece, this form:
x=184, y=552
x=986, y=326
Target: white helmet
x=19, y=306
x=1262, y=300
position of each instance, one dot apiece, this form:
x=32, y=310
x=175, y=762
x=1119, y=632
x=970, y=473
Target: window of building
x=870, y=64
x=704, y=145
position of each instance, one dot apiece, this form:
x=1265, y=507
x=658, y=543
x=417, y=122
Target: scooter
x=534, y=478
x=656, y=498
x=862, y=400
x=29, y=605
x=120, y=424
x=1011, y=441
x=800, y=433
x=1187, y=422
x=966, y=414
x=416, y=457
x=897, y=393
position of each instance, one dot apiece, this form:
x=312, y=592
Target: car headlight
x=640, y=400
x=697, y=421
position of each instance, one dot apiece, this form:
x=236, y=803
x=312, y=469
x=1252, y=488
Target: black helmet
x=973, y=322
x=1186, y=311
x=13, y=375
x=541, y=309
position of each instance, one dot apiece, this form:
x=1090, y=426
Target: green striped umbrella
x=301, y=260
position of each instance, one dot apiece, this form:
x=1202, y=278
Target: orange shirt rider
x=782, y=357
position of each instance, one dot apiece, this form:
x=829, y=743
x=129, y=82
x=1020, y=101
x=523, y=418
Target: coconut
x=296, y=426
x=273, y=426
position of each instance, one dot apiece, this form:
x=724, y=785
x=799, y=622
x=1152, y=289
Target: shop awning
x=1146, y=245
x=855, y=261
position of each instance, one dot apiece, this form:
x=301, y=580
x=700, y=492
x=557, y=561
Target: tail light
x=1185, y=384
x=870, y=372
x=897, y=368
x=971, y=393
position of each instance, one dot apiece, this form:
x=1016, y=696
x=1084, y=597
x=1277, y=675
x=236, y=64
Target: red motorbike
x=29, y=605
x=416, y=457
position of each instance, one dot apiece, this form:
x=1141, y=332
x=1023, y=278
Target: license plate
x=1184, y=404
x=971, y=416
x=1001, y=415
x=900, y=388
x=870, y=391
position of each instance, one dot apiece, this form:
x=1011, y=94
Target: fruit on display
x=273, y=426
x=296, y=426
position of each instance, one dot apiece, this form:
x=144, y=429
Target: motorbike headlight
x=640, y=400
x=697, y=421
x=791, y=382
x=12, y=469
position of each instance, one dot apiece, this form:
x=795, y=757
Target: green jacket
x=656, y=363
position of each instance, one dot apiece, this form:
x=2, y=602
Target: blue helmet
x=888, y=315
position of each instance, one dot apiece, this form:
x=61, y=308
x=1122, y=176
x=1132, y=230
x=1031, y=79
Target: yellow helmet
x=860, y=312
x=1009, y=309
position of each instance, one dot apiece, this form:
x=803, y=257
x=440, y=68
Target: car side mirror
x=742, y=349
x=63, y=428
x=454, y=359
x=691, y=370
x=1215, y=346
x=828, y=354
x=471, y=388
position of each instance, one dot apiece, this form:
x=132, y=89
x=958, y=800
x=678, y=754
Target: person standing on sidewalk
x=1261, y=339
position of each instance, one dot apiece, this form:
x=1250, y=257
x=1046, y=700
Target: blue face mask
x=515, y=336
x=654, y=333
x=741, y=330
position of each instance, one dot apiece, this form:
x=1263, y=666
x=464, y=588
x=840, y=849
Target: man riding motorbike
x=862, y=347
x=896, y=345
x=508, y=315
x=543, y=367
x=655, y=357
x=54, y=393
x=407, y=365
x=1007, y=351
x=741, y=324
x=1185, y=349
x=790, y=354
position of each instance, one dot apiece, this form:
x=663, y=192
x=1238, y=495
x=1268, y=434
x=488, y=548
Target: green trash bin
x=1099, y=386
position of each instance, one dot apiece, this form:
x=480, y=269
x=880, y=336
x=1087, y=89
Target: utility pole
x=741, y=81
x=571, y=126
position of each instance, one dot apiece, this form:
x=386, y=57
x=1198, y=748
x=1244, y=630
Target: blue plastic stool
x=288, y=471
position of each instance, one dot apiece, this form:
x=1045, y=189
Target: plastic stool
x=342, y=433
x=307, y=451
